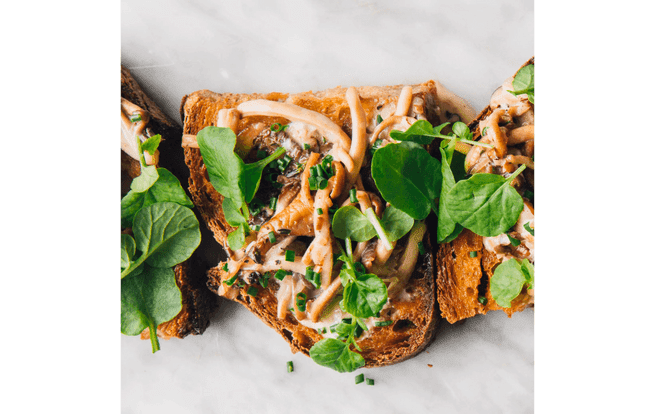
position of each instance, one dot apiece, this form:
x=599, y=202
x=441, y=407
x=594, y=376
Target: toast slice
x=198, y=303
x=410, y=315
x=463, y=276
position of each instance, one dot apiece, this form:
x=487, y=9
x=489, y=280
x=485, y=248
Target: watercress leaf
x=237, y=238
x=349, y=222
x=166, y=233
x=531, y=97
x=344, y=330
x=437, y=130
x=149, y=299
x=252, y=174
x=232, y=215
x=336, y=355
x=461, y=130
x=524, y=79
x=151, y=144
x=508, y=280
x=166, y=188
x=128, y=248
x=485, y=204
x=420, y=132
x=224, y=167
x=396, y=223
x=407, y=177
x=365, y=296
x=146, y=179
x=446, y=225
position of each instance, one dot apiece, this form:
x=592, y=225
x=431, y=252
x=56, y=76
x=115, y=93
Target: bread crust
x=461, y=279
x=198, y=303
x=415, y=317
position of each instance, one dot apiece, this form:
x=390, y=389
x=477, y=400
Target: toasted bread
x=198, y=303
x=463, y=280
x=413, y=313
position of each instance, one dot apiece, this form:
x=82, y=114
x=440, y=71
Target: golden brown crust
x=416, y=319
x=198, y=303
x=461, y=279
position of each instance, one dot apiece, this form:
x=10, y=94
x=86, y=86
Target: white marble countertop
x=175, y=47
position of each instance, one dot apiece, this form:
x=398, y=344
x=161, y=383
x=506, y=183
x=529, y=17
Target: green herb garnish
x=523, y=82
x=379, y=119
x=289, y=255
x=277, y=127
x=508, y=280
x=281, y=274
x=252, y=291
x=515, y=242
x=306, y=146
x=319, y=211
x=421, y=248
x=271, y=237
x=473, y=254
x=231, y=280
x=383, y=323
x=289, y=366
x=528, y=228
x=135, y=118
x=301, y=301
x=225, y=268
x=482, y=300
x=360, y=378
x=370, y=381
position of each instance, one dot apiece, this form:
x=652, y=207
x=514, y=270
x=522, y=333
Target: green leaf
x=147, y=300
x=146, y=179
x=408, y=178
x=237, y=238
x=420, y=132
x=128, y=248
x=447, y=227
x=365, y=296
x=151, y=144
x=166, y=234
x=252, y=174
x=461, y=130
x=166, y=188
x=524, y=79
x=396, y=223
x=508, y=280
x=349, y=222
x=337, y=355
x=224, y=167
x=232, y=215
x=485, y=204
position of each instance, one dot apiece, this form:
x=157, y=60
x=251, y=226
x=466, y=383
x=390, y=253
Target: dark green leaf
x=524, y=78
x=151, y=144
x=407, y=177
x=166, y=234
x=365, y=296
x=461, y=130
x=349, y=222
x=128, y=248
x=146, y=179
x=232, y=215
x=447, y=227
x=252, y=174
x=149, y=299
x=485, y=204
x=528, y=228
x=396, y=223
x=337, y=355
x=508, y=280
x=420, y=132
x=166, y=188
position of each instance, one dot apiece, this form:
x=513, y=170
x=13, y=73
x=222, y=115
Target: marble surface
x=175, y=47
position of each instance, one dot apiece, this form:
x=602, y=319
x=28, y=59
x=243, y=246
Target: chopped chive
x=322, y=185
x=271, y=237
x=319, y=210
x=324, y=140
x=379, y=119
x=306, y=146
x=421, y=248
x=484, y=131
x=225, y=267
x=284, y=231
x=252, y=291
x=473, y=254
x=231, y=280
x=528, y=228
x=370, y=381
x=241, y=283
x=272, y=203
x=353, y=196
x=264, y=280
x=360, y=378
x=289, y=255
x=528, y=194
x=289, y=366
x=383, y=323
x=515, y=242
x=255, y=227
x=301, y=301
x=482, y=300
x=281, y=274
x=135, y=118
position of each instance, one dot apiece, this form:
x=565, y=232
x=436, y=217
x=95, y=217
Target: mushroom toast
x=490, y=267
x=320, y=201
x=170, y=297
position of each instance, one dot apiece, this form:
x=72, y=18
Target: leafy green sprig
x=235, y=180
x=523, y=82
x=422, y=132
x=508, y=280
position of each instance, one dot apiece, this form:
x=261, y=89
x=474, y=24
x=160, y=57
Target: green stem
x=153, y=336
x=133, y=266
x=142, y=158
x=382, y=234
x=467, y=141
x=349, y=248
x=516, y=173
x=276, y=154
